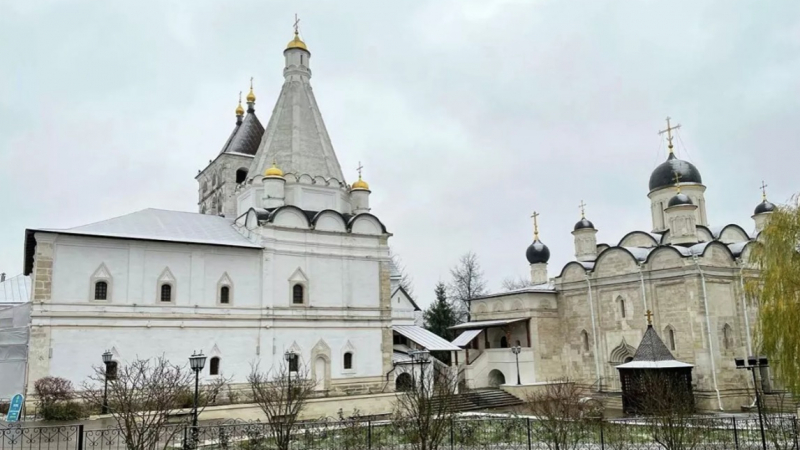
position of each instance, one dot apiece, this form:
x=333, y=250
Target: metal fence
x=462, y=433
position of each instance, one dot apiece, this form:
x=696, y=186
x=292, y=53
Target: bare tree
x=424, y=414
x=281, y=393
x=511, y=283
x=566, y=416
x=468, y=282
x=406, y=282
x=779, y=427
x=146, y=395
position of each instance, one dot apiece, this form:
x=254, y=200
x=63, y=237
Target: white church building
x=284, y=255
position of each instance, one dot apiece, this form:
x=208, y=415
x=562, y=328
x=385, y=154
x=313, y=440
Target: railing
x=462, y=433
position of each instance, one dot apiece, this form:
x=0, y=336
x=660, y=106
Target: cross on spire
x=763, y=190
x=359, y=169
x=582, y=206
x=669, y=133
x=649, y=316
x=535, y=216
x=296, y=25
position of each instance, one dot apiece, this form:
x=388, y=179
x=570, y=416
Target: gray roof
x=424, y=338
x=162, y=225
x=652, y=348
x=15, y=289
x=245, y=136
x=485, y=324
x=466, y=337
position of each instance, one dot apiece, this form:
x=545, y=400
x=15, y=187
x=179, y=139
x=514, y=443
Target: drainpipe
x=744, y=309
x=710, y=336
x=594, y=332
x=641, y=279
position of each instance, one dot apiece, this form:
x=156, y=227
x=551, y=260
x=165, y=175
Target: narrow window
x=166, y=293
x=224, y=295
x=297, y=294
x=503, y=342
x=348, y=360
x=293, y=365
x=727, y=337
x=585, y=340
x=241, y=175
x=622, y=308
x=101, y=290
x=213, y=368
x=671, y=338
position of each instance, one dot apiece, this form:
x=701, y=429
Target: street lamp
x=421, y=356
x=107, y=358
x=197, y=361
x=516, y=350
x=752, y=363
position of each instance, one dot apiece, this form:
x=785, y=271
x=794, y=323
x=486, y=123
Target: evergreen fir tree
x=441, y=315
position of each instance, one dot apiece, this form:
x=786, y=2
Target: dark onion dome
x=664, y=174
x=680, y=199
x=583, y=223
x=537, y=252
x=764, y=207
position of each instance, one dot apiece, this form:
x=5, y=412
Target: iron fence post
x=602, y=437
x=452, y=432
x=369, y=434
x=794, y=428
x=80, y=437
x=735, y=434
x=529, y=433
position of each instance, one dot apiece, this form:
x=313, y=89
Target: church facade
x=590, y=318
x=283, y=255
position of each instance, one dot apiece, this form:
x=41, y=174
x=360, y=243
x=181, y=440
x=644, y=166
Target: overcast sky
x=467, y=115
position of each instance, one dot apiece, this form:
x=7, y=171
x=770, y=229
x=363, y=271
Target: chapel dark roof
x=763, y=207
x=652, y=348
x=246, y=136
x=664, y=174
x=583, y=223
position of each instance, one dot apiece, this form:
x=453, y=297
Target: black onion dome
x=680, y=199
x=664, y=174
x=537, y=252
x=583, y=223
x=764, y=207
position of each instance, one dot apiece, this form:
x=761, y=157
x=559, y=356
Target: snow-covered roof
x=163, y=225
x=673, y=364
x=640, y=253
x=400, y=357
x=15, y=289
x=485, y=324
x=548, y=287
x=737, y=247
x=424, y=338
x=466, y=337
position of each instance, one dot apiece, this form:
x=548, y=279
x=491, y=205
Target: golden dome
x=251, y=96
x=239, y=109
x=296, y=43
x=360, y=184
x=273, y=171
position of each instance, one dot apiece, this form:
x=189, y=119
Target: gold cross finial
x=649, y=316
x=296, y=25
x=582, y=206
x=535, y=216
x=359, y=169
x=251, y=83
x=669, y=133
x=763, y=190
x=677, y=181
x=240, y=97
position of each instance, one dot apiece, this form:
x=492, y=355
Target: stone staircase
x=478, y=399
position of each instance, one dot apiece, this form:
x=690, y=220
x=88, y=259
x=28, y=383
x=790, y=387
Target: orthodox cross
x=251, y=83
x=359, y=169
x=582, y=206
x=669, y=132
x=763, y=190
x=535, y=216
x=240, y=98
x=677, y=181
x=649, y=316
x=296, y=25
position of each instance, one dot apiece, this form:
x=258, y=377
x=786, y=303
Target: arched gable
x=704, y=234
x=305, y=178
x=637, y=239
x=664, y=256
x=251, y=219
x=601, y=246
x=289, y=216
x=572, y=271
x=329, y=220
x=366, y=223
x=733, y=233
x=616, y=261
x=498, y=306
x=718, y=254
x=481, y=308
x=622, y=352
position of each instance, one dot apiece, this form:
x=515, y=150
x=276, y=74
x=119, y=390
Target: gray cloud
x=468, y=115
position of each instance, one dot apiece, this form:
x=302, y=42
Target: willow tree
x=777, y=290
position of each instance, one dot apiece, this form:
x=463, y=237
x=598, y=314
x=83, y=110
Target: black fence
x=462, y=433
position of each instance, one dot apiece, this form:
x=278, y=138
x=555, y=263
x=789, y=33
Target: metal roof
x=424, y=338
x=466, y=337
x=15, y=289
x=654, y=365
x=485, y=324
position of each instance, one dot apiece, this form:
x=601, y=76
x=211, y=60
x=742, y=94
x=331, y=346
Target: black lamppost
x=752, y=363
x=290, y=357
x=515, y=350
x=422, y=357
x=107, y=358
x=196, y=362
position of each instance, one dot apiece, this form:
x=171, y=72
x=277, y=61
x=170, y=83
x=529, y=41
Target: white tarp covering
x=14, y=329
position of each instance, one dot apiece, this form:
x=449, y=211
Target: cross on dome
x=582, y=206
x=763, y=190
x=669, y=132
x=535, y=216
x=251, y=96
x=360, y=184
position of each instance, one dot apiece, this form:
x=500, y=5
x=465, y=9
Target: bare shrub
x=424, y=414
x=55, y=399
x=670, y=408
x=566, y=417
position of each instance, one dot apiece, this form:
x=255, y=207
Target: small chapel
x=588, y=320
x=283, y=256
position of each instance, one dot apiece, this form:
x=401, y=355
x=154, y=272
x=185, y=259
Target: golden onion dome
x=360, y=184
x=251, y=96
x=239, y=110
x=273, y=171
x=296, y=43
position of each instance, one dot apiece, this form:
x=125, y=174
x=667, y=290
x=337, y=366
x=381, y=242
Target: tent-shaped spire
x=652, y=353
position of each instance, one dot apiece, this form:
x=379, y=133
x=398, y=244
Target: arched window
x=621, y=307
x=727, y=337
x=101, y=290
x=213, y=366
x=166, y=292
x=670, y=338
x=225, y=295
x=297, y=294
x=348, y=360
x=241, y=175
x=503, y=342
x=585, y=340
